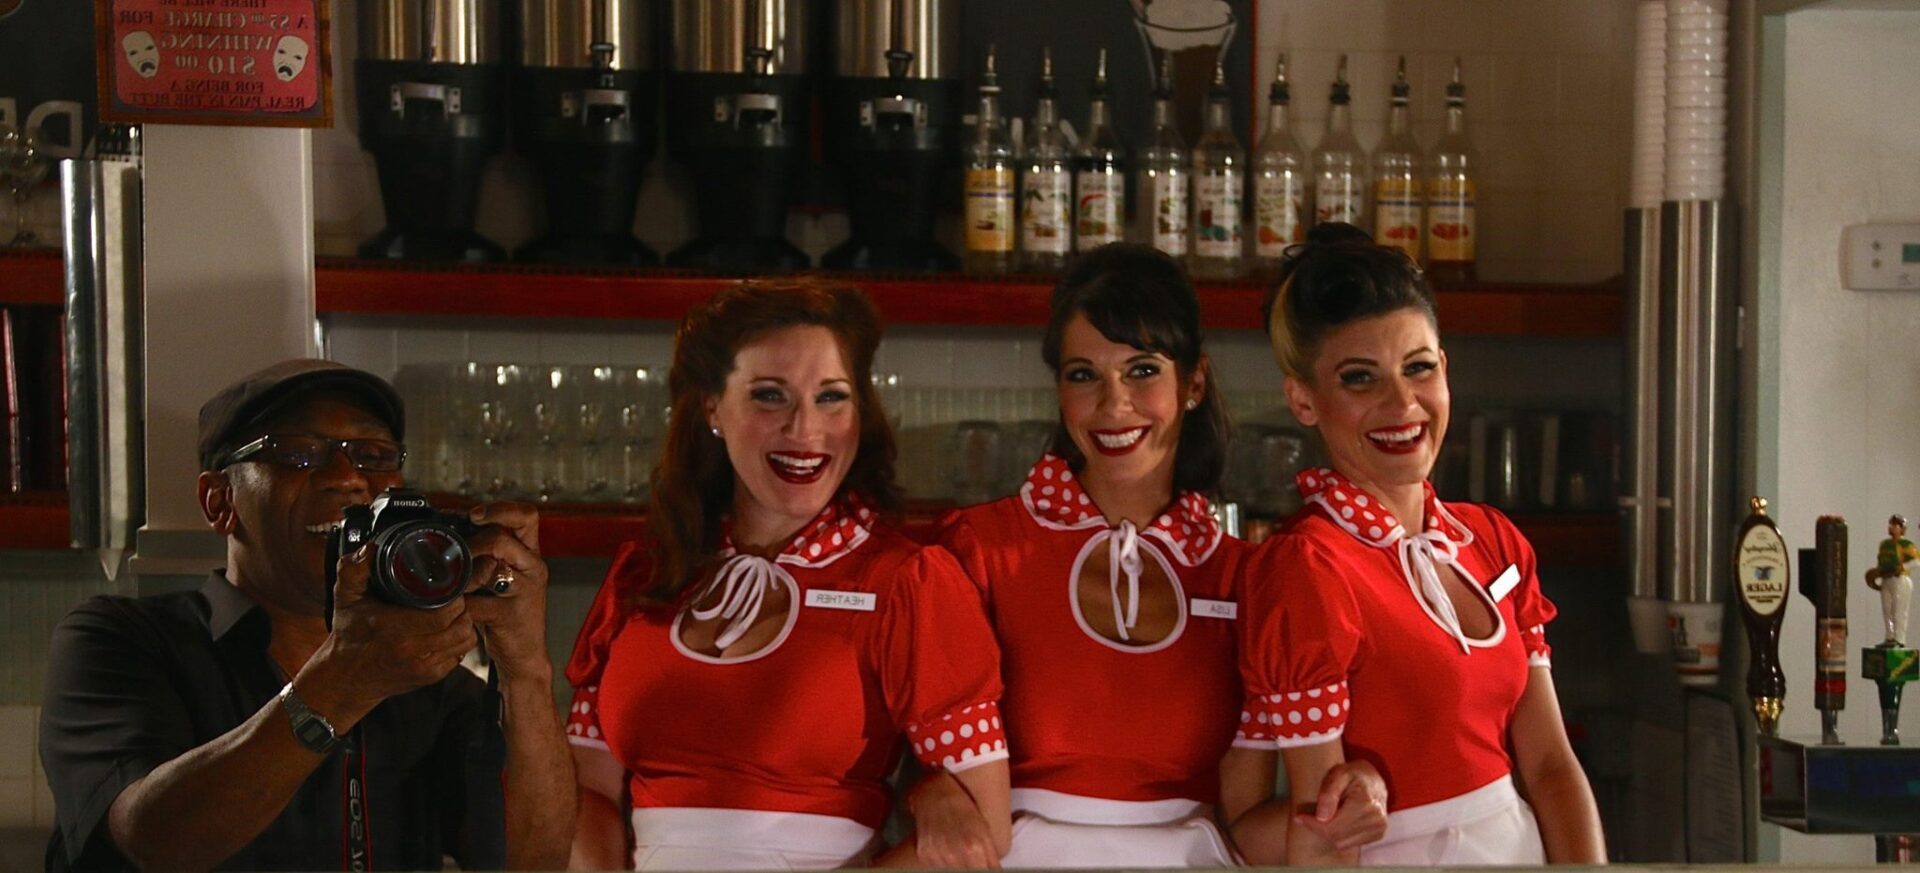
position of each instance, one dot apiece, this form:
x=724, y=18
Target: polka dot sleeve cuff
x=1539, y=654
x=1293, y=718
x=960, y=740
x=583, y=719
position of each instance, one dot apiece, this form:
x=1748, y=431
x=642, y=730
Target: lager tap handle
x=1762, y=581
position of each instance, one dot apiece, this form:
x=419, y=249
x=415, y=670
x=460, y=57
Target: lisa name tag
x=1226, y=609
x=1505, y=583
x=858, y=601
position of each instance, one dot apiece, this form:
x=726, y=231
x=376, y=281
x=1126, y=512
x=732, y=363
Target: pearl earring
x=1192, y=404
x=716, y=432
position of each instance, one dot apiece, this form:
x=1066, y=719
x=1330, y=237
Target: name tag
x=1504, y=584
x=858, y=601
x=1223, y=609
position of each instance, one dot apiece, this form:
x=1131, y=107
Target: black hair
x=1139, y=296
x=1338, y=275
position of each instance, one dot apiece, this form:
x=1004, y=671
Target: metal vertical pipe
x=1641, y=480
x=1696, y=425
x=81, y=224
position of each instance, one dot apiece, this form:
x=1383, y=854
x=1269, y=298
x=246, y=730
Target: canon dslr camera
x=420, y=555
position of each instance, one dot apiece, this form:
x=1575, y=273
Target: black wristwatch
x=311, y=728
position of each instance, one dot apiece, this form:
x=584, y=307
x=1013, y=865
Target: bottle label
x=1450, y=231
x=1102, y=209
x=1169, y=209
x=1396, y=214
x=990, y=210
x=1216, y=212
x=1279, y=200
x=1044, y=225
x=1336, y=198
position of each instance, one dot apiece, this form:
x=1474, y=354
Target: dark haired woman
x=746, y=677
x=1429, y=657
x=1112, y=591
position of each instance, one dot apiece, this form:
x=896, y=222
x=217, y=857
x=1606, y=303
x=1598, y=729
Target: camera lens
x=422, y=564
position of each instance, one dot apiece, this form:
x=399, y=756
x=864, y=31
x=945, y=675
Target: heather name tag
x=1223, y=609
x=858, y=601
x=1505, y=583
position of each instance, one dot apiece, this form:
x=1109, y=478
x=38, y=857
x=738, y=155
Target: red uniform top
x=1352, y=636
x=1090, y=716
x=885, y=638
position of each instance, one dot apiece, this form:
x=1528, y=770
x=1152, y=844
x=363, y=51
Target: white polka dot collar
x=1055, y=500
x=1363, y=515
x=842, y=526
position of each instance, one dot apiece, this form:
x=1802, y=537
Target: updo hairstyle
x=1338, y=275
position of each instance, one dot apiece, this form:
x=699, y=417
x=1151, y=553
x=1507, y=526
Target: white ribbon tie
x=1123, y=556
x=743, y=582
x=1420, y=557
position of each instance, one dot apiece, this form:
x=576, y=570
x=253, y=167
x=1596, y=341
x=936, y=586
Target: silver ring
x=502, y=582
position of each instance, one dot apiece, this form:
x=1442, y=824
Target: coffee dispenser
x=892, y=111
x=431, y=95
x=737, y=118
x=584, y=100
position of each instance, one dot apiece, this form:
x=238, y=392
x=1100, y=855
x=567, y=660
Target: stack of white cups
x=1649, y=168
x=1696, y=135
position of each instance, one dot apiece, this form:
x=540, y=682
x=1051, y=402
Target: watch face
x=313, y=734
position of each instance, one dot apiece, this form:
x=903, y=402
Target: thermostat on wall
x=1880, y=257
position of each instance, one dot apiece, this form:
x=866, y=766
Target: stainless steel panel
x=561, y=33
x=712, y=36
x=440, y=31
x=867, y=29
x=1641, y=453
x=100, y=230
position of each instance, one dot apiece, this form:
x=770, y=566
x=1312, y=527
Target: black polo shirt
x=134, y=683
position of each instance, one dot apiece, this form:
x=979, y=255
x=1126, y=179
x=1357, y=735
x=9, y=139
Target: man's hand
x=508, y=546
x=1873, y=578
x=1351, y=810
x=377, y=650
x=949, y=830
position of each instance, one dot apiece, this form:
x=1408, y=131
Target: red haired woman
x=748, y=674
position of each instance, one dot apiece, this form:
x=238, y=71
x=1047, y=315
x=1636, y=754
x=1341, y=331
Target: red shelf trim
x=32, y=276
x=39, y=521
x=507, y=291
x=34, y=520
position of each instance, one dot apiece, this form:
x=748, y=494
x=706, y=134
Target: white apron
x=1488, y=826
x=1052, y=829
x=679, y=838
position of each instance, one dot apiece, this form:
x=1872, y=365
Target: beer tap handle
x=1762, y=581
x=1823, y=579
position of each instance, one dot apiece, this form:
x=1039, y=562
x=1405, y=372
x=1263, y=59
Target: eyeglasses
x=304, y=451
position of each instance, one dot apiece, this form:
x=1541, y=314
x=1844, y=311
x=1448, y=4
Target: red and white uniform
x=777, y=758
x=1351, y=636
x=1116, y=747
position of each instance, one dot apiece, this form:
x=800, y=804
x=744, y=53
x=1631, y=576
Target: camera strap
x=356, y=836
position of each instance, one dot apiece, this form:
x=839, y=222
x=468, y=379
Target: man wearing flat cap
x=262, y=722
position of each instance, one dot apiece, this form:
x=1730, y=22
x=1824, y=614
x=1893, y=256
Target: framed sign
x=226, y=62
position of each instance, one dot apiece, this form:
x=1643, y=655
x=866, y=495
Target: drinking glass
x=641, y=406
x=974, y=454
x=22, y=167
